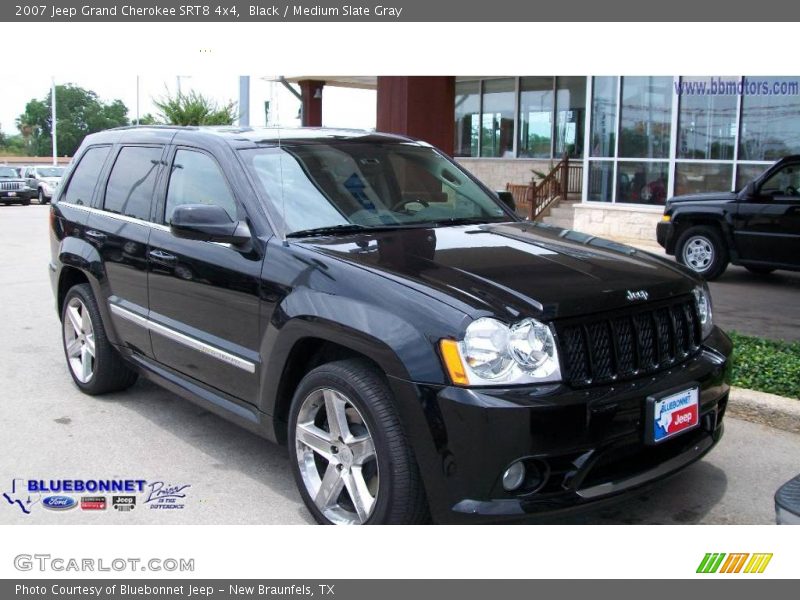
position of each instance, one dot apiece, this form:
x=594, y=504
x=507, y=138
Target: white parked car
x=44, y=179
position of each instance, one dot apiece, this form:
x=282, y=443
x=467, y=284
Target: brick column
x=420, y=107
x=311, y=91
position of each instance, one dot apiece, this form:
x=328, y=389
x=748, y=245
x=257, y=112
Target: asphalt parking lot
x=50, y=430
x=762, y=305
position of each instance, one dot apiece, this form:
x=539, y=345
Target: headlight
x=493, y=353
x=702, y=299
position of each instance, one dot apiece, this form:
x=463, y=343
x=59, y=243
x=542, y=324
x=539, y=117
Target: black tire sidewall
x=323, y=377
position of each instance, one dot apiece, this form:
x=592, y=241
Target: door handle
x=164, y=258
x=97, y=236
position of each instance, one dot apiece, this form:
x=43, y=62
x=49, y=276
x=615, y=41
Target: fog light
x=514, y=476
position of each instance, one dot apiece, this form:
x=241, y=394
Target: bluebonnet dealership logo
x=59, y=494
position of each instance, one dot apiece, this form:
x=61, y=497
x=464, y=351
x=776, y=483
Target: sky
x=341, y=107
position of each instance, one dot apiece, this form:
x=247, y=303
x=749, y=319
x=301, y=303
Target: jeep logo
x=637, y=295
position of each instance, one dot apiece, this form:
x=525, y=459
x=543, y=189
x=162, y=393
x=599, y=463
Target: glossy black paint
x=280, y=307
x=759, y=230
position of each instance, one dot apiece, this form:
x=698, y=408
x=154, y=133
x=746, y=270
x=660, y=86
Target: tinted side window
x=197, y=179
x=130, y=186
x=81, y=184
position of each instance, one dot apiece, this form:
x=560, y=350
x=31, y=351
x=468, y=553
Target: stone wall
x=619, y=222
x=497, y=172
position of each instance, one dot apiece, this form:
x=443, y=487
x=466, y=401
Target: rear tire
x=356, y=468
x=95, y=365
x=702, y=250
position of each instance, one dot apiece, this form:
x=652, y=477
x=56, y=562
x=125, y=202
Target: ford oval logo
x=59, y=502
x=637, y=295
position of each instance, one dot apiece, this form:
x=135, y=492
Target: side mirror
x=507, y=198
x=208, y=223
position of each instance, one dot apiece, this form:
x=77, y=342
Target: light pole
x=53, y=118
x=137, y=100
x=178, y=79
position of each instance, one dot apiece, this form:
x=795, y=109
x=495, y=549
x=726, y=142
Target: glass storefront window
x=601, y=181
x=604, y=116
x=642, y=182
x=770, y=119
x=645, y=117
x=570, y=116
x=747, y=173
x=707, y=124
x=497, y=127
x=691, y=178
x=467, y=114
x=536, y=117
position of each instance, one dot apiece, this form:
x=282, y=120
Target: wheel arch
x=306, y=354
x=686, y=219
x=78, y=262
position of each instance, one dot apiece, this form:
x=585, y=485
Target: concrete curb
x=767, y=409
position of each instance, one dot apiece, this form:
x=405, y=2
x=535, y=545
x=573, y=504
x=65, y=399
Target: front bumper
x=25, y=194
x=590, y=443
x=665, y=236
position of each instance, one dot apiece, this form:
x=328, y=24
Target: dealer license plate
x=12, y=194
x=672, y=414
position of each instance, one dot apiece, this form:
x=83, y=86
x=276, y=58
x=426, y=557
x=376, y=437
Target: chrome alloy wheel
x=79, y=340
x=698, y=253
x=336, y=456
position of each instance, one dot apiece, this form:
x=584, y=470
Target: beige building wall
x=618, y=221
x=497, y=172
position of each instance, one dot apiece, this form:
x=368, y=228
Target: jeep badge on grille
x=637, y=295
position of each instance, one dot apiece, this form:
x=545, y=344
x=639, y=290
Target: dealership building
x=631, y=141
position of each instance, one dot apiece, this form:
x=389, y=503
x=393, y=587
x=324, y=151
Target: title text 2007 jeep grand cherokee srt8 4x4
x=422, y=351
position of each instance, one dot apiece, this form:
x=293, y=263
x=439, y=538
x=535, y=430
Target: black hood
x=705, y=197
x=513, y=269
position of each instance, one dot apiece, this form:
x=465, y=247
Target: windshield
x=371, y=185
x=50, y=171
x=7, y=172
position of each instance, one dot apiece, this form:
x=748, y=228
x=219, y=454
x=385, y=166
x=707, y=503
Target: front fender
x=395, y=344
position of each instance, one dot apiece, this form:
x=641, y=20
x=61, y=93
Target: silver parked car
x=44, y=179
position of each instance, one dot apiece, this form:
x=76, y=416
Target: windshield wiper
x=342, y=229
x=463, y=221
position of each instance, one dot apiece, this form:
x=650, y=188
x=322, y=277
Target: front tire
x=702, y=249
x=94, y=364
x=42, y=198
x=350, y=458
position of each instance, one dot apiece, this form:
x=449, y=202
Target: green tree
x=79, y=111
x=148, y=119
x=194, y=109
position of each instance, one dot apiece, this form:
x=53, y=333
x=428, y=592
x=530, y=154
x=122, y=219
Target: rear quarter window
x=83, y=181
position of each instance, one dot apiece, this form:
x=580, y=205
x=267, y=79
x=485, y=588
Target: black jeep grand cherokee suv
x=361, y=298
